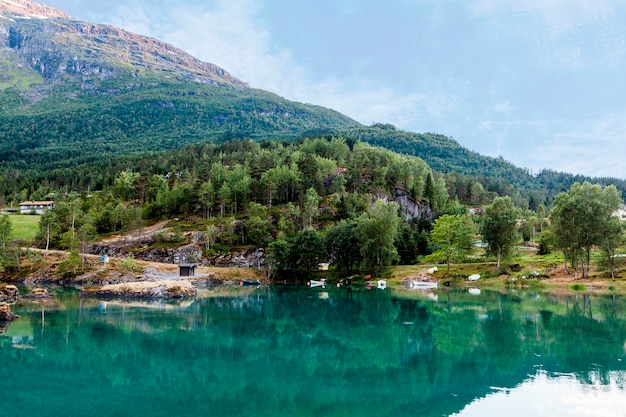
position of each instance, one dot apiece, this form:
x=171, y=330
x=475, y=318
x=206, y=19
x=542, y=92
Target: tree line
x=324, y=199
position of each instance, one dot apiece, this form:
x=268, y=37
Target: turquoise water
x=300, y=352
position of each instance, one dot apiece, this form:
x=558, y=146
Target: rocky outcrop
x=53, y=44
x=143, y=290
x=30, y=9
x=252, y=258
x=192, y=253
x=412, y=208
x=6, y=314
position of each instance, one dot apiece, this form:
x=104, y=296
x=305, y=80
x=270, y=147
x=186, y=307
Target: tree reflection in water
x=293, y=351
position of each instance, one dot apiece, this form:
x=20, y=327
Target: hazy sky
x=541, y=83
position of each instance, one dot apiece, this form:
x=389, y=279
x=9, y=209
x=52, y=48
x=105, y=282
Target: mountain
x=72, y=92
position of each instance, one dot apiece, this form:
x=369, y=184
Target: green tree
x=6, y=234
x=406, y=245
x=499, y=228
x=86, y=235
x=206, y=198
x=307, y=250
x=342, y=245
x=376, y=232
x=258, y=231
x=453, y=235
x=126, y=185
x=310, y=205
x=611, y=238
x=278, y=255
x=48, y=226
x=580, y=220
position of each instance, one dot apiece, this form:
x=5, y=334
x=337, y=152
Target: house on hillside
x=38, y=207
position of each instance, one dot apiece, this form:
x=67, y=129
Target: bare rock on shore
x=38, y=293
x=6, y=314
x=8, y=292
x=143, y=290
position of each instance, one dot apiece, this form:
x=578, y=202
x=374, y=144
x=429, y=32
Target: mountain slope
x=72, y=92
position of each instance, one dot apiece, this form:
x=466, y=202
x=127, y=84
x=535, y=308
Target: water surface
x=318, y=352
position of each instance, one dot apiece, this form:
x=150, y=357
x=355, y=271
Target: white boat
x=474, y=277
x=382, y=284
x=423, y=284
x=313, y=283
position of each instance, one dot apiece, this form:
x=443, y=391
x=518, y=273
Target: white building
x=39, y=207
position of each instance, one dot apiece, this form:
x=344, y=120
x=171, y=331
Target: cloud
x=589, y=146
x=232, y=35
x=564, y=34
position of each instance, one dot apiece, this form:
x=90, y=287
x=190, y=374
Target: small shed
x=187, y=270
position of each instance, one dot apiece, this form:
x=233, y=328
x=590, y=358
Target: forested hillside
x=318, y=199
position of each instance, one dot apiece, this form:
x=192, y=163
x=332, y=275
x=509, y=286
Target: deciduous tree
x=499, y=228
x=453, y=235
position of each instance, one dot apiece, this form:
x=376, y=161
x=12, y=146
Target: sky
x=541, y=83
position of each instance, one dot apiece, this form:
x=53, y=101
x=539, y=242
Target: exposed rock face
x=30, y=9
x=143, y=290
x=8, y=292
x=192, y=253
x=247, y=259
x=52, y=44
x=6, y=314
x=412, y=209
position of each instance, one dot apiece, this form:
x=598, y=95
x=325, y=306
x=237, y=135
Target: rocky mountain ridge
x=56, y=46
x=27, y=8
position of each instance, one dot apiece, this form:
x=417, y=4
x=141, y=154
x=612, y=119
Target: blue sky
x=541, y=83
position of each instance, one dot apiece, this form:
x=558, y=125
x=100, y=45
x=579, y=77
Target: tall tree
x=580, y=219
x=376, y=232
x=453, y=235
x=48, y=226
x=307, y=250
x=343, y=246
x=310, y=205
x=499, y=228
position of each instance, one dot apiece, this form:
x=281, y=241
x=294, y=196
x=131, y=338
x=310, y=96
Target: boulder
x=38, y=293
x=6, y=314
x=8, y=292
x=143, y=290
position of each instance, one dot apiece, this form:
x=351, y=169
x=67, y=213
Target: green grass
x=25, y=226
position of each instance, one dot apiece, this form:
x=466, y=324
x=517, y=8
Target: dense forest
x=361, y=207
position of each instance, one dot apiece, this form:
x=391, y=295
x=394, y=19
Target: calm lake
x=289, y=351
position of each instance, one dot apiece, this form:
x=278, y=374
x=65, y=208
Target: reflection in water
x=555, y=396
x=289, y=351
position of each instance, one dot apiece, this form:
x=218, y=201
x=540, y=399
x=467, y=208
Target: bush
x=544, y=248
x=71, y=266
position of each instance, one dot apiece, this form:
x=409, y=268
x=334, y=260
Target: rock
x=143, y=290
x=8, y=292
x=6, y=314
x=38, y=293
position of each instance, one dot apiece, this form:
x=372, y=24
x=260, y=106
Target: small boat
x=474, y=277
x=314, y=283
x=423, y=284
x=382, y=284
x=247, y=283
x=474, y=291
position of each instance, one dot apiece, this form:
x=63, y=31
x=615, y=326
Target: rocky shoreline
x=174, y=289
